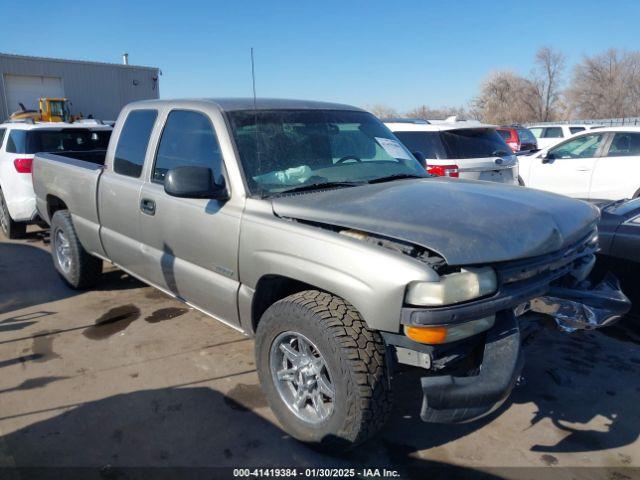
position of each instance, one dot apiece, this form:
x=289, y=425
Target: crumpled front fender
x=584, y=308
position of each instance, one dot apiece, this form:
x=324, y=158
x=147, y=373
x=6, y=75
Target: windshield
x=284, y=149
x=58, y=140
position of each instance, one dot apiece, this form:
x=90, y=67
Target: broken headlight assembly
x=467, y=284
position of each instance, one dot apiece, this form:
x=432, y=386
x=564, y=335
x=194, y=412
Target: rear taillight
x=23, y=165
x=514, y=146
x=443, y=170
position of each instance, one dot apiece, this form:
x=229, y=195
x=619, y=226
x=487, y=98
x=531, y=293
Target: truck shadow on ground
x=178, y=427
x=573, y=381
x=28, y=278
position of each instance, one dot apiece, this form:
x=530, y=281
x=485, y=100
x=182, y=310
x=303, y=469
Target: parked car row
x=549, y=135
x=313, y=228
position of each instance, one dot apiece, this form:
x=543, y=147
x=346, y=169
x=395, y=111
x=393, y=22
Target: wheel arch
x=54, y=204
x=271, y=288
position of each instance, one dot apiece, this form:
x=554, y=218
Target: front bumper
x=452, y=399
x=455, y=399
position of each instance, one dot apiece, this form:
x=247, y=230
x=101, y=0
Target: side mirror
x=548, y=157
x=193, y=182
x=420, y=157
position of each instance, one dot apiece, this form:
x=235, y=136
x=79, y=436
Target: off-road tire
x=85, y=269
x=9, y=228
x=354, y=354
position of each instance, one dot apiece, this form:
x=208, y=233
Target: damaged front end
x=556, y=284
x=583, y=308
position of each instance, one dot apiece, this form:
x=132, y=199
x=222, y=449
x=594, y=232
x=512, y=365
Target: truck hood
x=466, y=222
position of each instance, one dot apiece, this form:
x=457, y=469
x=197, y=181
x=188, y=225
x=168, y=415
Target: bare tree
x=426, y=113
x=382, y=111
x=505, y=97
x=606, y=85
x=544, y=97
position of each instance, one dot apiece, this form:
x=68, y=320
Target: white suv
x=549, y=135
x=464, y=149
x=602, y=164
x=19, y=141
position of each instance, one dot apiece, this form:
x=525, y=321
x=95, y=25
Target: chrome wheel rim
x=302, y=377
x=63, y=250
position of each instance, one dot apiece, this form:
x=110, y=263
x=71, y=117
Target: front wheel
x=323, y=371
x=10, y=229
x=520, y=181
x=77, y=268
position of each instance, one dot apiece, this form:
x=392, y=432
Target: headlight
x=458, y=287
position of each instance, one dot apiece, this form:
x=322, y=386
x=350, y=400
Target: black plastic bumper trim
x=449, y=399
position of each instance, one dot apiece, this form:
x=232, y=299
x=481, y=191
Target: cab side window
x=188, y=139
x=585, y=146
x=625, y=145
x=133, y=142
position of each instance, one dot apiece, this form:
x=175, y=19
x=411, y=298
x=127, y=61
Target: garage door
x=28, y=89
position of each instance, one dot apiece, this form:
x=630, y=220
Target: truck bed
x=71, y=179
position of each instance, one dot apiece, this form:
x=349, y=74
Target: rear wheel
x=323, y=371
x=78, y=268
x=10, y=229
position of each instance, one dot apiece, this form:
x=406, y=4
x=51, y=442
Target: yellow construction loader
x=49, y=110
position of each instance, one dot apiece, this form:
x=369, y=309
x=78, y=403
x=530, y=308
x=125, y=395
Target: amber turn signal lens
x=431, y=335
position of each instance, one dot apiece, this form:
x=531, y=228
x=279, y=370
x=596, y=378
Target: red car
x=519, y=139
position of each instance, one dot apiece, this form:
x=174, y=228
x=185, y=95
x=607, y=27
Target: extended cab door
x=119, y=192
x=617, y=172
x=568, y=167
x=191, y=244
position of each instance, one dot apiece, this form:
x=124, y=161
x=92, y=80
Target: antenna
x=253, y=78
x=255, y=113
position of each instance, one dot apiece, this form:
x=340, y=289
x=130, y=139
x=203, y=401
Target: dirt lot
x=125, y=376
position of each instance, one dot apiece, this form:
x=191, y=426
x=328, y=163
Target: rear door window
x=427, y=143
x=473, y=143
x=552, y=132
x=133, y=142
x=625, y=144
x=187, y=139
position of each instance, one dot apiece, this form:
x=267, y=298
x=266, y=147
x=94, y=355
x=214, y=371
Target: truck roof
x=232, y=104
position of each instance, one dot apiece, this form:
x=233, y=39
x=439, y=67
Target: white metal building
x=93, y=88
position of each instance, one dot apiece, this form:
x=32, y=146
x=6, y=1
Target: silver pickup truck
x=311, y=227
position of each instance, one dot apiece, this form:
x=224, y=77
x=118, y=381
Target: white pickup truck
x=310, y=226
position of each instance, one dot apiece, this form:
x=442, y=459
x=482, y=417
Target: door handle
x=148, y=206
x=583, y=169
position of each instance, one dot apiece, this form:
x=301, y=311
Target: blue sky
x=402, y=54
